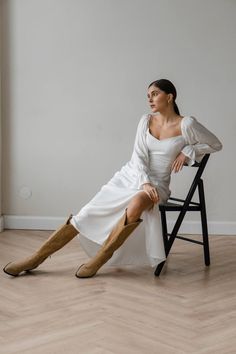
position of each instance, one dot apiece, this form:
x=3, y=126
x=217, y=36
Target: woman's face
x=157, y=99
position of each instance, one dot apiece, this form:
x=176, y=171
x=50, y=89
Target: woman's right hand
x=151, y=192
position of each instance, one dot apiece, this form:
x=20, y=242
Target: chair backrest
x=201, y=166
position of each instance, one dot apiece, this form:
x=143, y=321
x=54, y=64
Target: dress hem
x=150, y=264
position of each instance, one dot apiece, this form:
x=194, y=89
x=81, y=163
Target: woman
x=163, y=143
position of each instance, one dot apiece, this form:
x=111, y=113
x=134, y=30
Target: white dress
x=151, y=161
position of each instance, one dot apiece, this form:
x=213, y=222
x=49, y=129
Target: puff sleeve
x=200, y=141
x=140, y=157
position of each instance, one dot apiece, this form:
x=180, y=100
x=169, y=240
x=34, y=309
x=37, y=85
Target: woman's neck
x=167, y=119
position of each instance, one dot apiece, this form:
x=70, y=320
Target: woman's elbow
x=218, y=146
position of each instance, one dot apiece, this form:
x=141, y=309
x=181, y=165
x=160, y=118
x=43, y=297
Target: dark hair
x=168, y=87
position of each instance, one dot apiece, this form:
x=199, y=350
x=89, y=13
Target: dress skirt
x=97, y=218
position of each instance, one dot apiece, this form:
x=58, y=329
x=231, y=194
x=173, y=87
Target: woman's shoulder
x=189, y=119
x=145, y=117
x=143, y=121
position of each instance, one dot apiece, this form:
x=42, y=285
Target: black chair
x=183, y=206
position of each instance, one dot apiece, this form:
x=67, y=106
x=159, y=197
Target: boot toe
x=7, y=269
x=84, y=272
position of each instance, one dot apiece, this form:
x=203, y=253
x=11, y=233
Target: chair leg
x=164, y=229
x=159, y=268
x=165, y=239
x=204, y=224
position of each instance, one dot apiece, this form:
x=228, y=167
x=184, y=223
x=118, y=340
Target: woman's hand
x=151, y=192
x=178, y=162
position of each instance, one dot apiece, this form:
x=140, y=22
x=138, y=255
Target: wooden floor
x=190, y=308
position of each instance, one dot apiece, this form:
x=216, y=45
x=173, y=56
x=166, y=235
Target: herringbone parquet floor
x=190, y=308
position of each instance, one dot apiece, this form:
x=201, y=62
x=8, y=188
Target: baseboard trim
x=1, y=223
x=214, y=227
x=33, y=222
x=52, y=223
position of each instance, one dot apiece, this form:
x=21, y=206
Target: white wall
x=1, y=217
x=74, y=88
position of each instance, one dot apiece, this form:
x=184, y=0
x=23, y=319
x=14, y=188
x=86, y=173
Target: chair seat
x=170, y=206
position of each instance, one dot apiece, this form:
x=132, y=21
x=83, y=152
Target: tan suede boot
x=56, y=241
x=116, y=238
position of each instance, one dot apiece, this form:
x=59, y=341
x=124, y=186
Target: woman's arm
x=201, y=141
x=140, y=157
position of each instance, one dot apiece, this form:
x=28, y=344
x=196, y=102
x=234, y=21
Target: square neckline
x=176, y=136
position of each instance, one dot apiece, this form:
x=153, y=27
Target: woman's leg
x=137, y=205
x=57, y=240
x=125, y=226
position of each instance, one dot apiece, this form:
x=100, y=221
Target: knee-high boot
x=117, y=237
x=56, y=241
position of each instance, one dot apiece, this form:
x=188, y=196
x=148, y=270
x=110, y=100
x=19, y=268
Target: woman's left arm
x=200, y=140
